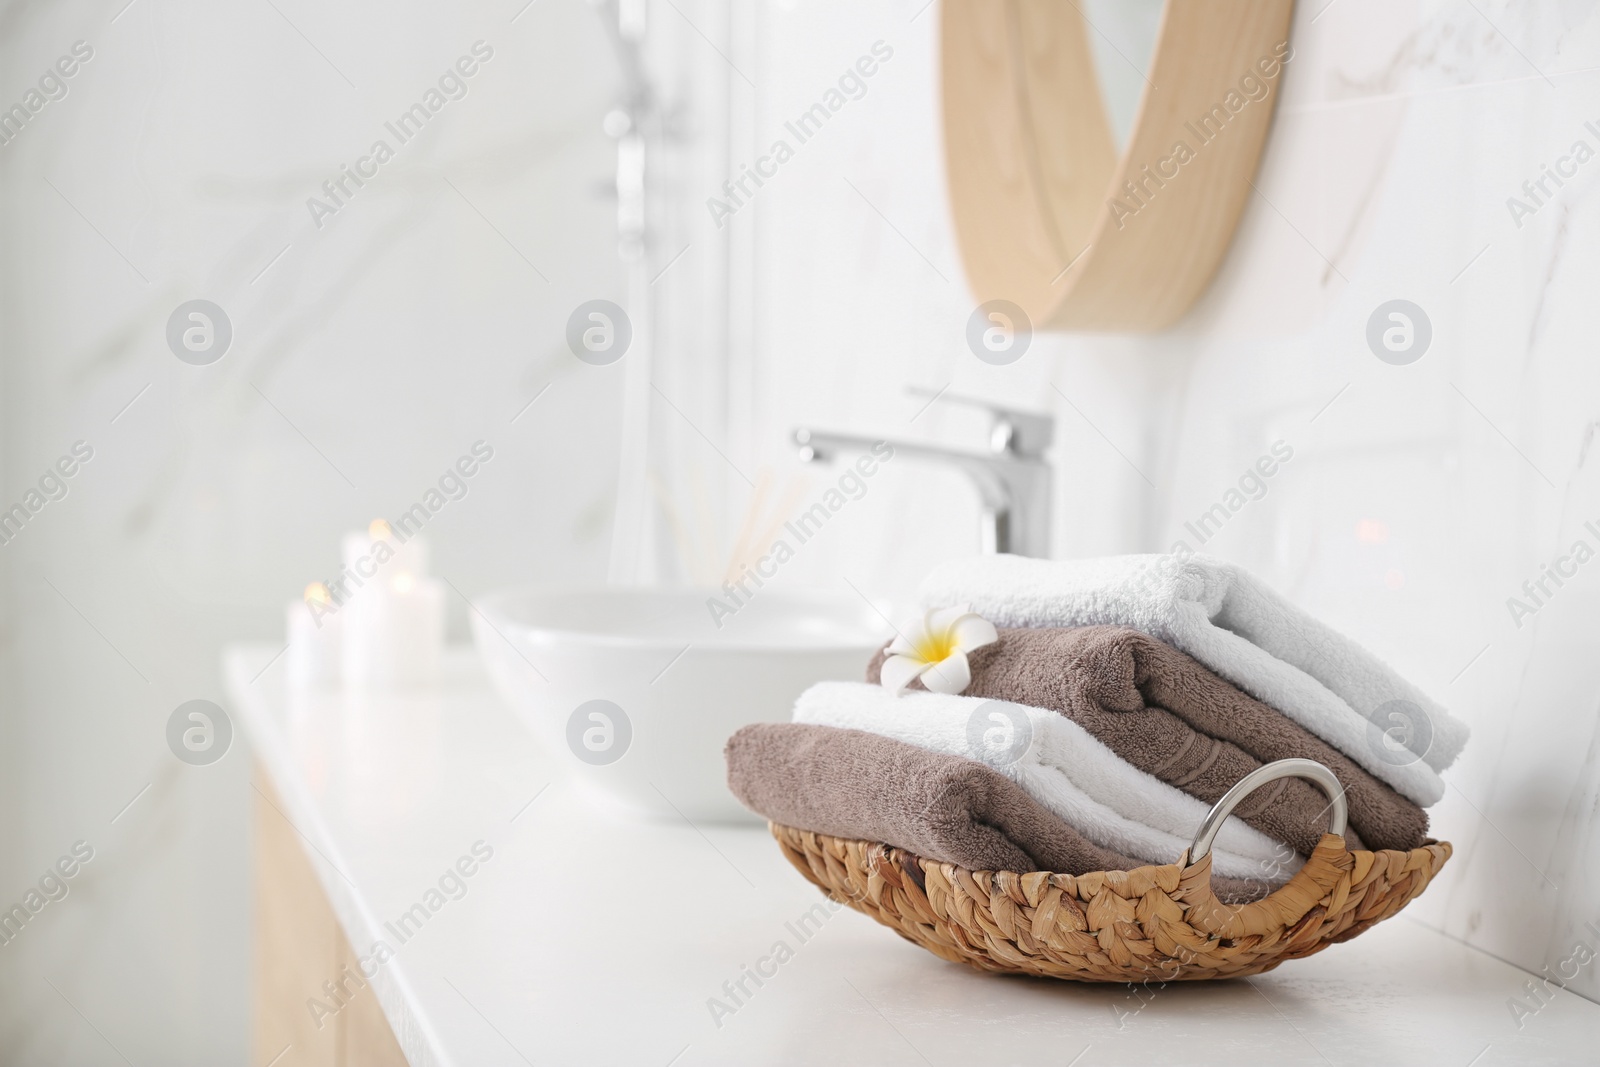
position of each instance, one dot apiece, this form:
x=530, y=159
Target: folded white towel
x=1060, y=764
x=1239, y=627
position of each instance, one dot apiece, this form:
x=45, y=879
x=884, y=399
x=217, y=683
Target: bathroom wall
x=368, y=353
x=1419, y=497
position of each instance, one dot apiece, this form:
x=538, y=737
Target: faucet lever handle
x=1026, y=433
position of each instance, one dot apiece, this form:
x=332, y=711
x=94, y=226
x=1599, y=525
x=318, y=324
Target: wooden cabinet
x=298, y=947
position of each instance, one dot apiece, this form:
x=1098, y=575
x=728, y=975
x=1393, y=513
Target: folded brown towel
x=1168, y=715
x=860, y=786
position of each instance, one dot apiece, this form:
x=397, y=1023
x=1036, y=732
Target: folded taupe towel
x=860, y=786
x=1168, y=715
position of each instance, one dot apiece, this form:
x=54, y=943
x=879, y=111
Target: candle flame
x=378, y=530
x=317, y=593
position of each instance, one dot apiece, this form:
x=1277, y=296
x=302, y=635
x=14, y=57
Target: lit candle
x=394, y=632
x=315, y=631
x=379, y=549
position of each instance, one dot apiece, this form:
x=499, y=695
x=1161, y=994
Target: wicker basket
x=1147, y=924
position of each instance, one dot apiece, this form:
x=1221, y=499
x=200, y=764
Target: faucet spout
x=1013, y=487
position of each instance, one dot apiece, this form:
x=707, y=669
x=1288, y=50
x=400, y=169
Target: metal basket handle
x=1308, y=769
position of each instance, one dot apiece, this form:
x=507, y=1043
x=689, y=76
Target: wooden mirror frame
x=1047, y=215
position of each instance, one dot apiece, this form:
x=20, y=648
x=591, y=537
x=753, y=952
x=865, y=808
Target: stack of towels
x=1083, y=716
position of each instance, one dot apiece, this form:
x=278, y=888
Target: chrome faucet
x=1013, y=478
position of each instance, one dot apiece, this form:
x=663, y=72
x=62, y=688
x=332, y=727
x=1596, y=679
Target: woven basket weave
x=1151, y=923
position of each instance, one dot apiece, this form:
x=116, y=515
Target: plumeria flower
x=935, y=649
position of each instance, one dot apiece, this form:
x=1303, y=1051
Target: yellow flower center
x=935, y=648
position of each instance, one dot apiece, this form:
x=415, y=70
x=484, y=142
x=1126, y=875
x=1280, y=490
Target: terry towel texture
x=1104, y=798
x=1234, y=624
x=860, y=786
x=1163, y=712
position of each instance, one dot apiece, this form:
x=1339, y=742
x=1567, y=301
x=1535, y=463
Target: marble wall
x=368, y=353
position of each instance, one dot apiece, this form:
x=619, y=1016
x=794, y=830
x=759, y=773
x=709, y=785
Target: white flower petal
x=973, y=631
x=940, y=620
x=899, y=672
x=914, y=635
x=950, y=675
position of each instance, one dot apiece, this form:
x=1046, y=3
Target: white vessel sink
x=683, y=683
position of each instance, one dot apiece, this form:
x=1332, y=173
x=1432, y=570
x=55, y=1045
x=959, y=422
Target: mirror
x=1065, y=223
x=1122, y=40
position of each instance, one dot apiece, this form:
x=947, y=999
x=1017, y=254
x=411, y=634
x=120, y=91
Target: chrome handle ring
x=1311, y=770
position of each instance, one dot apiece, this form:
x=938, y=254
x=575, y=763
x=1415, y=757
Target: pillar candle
x=313, y=659
x=362, y=551
x=394, y=632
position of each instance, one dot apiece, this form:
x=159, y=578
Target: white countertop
x=589, y=938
